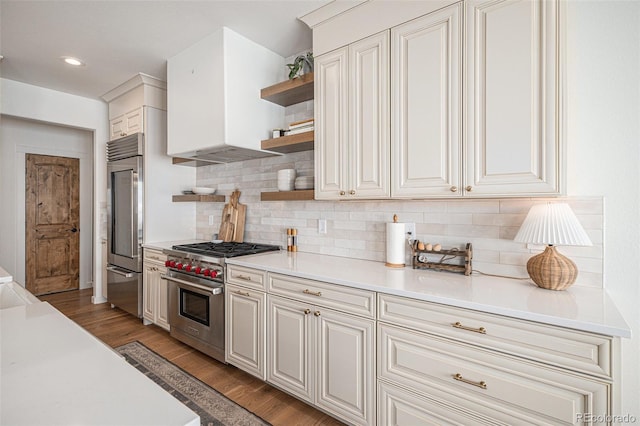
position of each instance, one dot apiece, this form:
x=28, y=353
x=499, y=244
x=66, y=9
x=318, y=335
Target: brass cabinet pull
x=481, y=384
x=453, y=189
x=154, y=258
x=352, y=192
x=243, y=277
x=469, y=188
x=480, y=330
x=242, y=293
x=307, y=311
x=313, y=293
x=342, y=193
x=316, y=313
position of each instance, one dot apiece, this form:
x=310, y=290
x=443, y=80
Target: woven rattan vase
x=551, y=270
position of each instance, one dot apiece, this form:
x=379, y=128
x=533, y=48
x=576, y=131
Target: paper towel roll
x=395, y=245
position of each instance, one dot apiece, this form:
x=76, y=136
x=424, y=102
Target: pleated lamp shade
x=552, y=224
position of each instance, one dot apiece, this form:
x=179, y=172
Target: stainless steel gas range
x=196, y=291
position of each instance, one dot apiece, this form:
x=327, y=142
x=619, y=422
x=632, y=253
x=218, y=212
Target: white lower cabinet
x=155, y=299
x=323, y=356
x=423, y=377
x=246, y=329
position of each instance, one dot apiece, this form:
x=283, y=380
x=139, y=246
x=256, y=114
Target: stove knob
x=167, y=263
x=179, y=266
x=207, y=272
x=198, y=269
x=172, y=264
x=188, y=268
x=214, y=274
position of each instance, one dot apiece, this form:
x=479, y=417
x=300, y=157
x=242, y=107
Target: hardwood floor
x=115, y=327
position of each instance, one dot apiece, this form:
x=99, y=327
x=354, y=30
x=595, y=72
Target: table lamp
x=552, y=224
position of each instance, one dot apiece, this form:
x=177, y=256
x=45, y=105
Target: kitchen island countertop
x=581, y=308
x=55, y=372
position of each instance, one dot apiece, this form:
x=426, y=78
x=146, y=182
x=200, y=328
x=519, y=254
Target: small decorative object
x=203, y=190
x=552, y=224
x=425, y=256
x=302, y=64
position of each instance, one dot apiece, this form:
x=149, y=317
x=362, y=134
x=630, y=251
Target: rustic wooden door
x=52, y=224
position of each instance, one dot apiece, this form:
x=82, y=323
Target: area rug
x=213, y=408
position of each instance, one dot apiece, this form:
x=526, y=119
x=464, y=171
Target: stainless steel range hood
x=214, y=110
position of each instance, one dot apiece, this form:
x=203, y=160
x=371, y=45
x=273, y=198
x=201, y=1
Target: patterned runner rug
x=213, y=408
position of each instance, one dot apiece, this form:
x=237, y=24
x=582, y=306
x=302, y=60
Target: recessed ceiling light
x=72, y=61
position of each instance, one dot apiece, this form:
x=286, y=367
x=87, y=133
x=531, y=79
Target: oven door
x=196, y=313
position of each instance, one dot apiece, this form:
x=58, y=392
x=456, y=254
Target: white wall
x=49, y=106
x=17, y=138
x=603, y=82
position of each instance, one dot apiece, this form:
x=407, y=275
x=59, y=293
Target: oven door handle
x=212, y=290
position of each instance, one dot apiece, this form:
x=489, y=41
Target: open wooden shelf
x=299, y=195
x=288, y=144
x=290, y=92
x=199, y=198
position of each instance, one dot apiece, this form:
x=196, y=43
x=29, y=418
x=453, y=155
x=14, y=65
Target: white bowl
x=287, y=173
x=285, y=186
x=203, y=190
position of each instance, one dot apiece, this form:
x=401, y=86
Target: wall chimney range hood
x=214, y=110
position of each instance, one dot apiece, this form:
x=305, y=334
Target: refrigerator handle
x=119, y=272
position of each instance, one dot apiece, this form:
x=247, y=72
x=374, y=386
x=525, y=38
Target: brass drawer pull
x=307, y=311
x=242, y=293
x=481, y=384
x=313, y=293
x=316, y=313
x=480, y=330
x=154, y=257
x=243, y=277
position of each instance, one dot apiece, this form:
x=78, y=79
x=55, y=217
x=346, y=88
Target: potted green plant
x=302, y=64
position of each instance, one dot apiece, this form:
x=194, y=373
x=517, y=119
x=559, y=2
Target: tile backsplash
x=357, y=228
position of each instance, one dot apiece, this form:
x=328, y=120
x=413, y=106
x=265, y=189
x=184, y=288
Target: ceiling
x=118, y=39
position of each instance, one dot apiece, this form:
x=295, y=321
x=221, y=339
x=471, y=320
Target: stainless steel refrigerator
x=125, y=200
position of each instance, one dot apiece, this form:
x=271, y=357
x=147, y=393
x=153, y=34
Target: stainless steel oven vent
x=125, y=147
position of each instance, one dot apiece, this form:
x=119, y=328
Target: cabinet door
x=245, y=329
x=513, y=97
x=162, y=300
x=330, y=105
x=291, y=347
x=369, y=142
x=345, y=366
x=117, y=126
x=149, y=293
x=426, y=103
x=134, y=121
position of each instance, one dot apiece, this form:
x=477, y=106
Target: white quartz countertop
x=4, y=276
x=580, y=308
x=56, y=373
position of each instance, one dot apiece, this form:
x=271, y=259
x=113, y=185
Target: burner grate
x=227, y=249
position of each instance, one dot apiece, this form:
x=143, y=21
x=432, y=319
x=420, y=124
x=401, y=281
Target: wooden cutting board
x=233, y=217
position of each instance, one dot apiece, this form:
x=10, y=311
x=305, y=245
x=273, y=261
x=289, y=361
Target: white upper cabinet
x=330, y=109
x=352, y=160
x=513, y=98
x=420, y=132
x=426, y=103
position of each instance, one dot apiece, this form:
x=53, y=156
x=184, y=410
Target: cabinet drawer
x=352, y=300
x=397, y=406
x=493, y=384
x=248, y=277
x=558, y=346
x=154, y=255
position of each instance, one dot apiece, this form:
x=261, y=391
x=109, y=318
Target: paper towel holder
x=396, y=250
